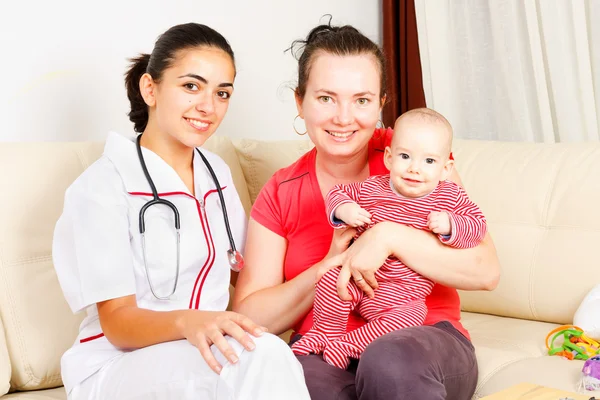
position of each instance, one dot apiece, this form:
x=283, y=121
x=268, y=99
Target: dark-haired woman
x=341, y=91
x=156, y=325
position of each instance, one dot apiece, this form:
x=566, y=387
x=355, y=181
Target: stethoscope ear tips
x=236, y=260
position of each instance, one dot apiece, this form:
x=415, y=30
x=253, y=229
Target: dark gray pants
x=419, y=363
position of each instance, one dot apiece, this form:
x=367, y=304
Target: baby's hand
x=352, y=214
x=439, y=222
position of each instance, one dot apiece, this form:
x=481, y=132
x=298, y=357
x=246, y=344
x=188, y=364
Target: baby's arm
x=462, y=227
x=342, y=206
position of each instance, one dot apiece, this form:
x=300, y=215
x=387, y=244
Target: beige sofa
x=541, y=202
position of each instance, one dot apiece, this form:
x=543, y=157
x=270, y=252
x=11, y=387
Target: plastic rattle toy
x=575, y=345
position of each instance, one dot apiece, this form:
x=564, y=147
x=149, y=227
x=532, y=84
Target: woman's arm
x=263, y=294
x=477, y=268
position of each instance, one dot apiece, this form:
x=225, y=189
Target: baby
x=415, y=193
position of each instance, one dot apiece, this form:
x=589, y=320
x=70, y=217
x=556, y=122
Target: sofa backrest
x=542, y=206
x=37, y=321
x=540, y=202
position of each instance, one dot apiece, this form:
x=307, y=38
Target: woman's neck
x=176, y=154
x=341, y=170
x=173, y=152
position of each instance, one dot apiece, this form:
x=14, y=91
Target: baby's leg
x=384, y=316
x=330, y=315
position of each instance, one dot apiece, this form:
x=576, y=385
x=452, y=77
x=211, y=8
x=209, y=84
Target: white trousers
x=176, y=370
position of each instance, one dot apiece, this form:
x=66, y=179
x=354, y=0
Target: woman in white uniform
x=156, y=325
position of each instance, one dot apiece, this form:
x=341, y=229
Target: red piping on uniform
x=208, y=262
x=89, y=339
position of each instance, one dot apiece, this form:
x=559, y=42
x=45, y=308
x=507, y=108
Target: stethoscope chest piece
x=236, y=260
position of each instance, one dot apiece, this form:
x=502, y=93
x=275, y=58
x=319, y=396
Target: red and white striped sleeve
x=468, y=223
x=338, y=195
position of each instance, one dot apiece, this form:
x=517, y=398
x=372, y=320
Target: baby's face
x=418, y=158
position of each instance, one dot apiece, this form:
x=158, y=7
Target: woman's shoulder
x=99, y=181
x=285, y=185
x=298, y=169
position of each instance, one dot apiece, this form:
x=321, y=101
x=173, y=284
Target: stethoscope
x=235, y=258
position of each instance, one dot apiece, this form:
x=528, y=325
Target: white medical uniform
x=98, y=256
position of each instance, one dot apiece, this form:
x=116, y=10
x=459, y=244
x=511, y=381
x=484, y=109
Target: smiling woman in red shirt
x=290, y=244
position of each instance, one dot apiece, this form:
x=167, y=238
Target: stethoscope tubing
x=236, y=260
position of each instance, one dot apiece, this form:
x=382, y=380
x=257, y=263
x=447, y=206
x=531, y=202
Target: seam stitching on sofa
x=3, y=280
x=534, y=225
x=536, y=251
x=32, y=379
x=512, y=344
x=17, y=325
x=82, y=158
x=252, y=175
x=28, y=260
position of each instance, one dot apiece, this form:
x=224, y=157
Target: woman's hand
x=339, y=243
x=205, y=328
x=361, y=260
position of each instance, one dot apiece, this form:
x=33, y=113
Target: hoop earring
x=296, y=130
x=382, y=125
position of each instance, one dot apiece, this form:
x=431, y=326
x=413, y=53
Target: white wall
x=62, y=62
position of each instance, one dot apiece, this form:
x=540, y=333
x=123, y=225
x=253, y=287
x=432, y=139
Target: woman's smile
x=341, y=136
x=200, y=125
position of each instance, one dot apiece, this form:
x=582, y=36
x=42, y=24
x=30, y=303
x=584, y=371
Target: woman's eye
x=362, y=101
x=224, y=94
x=429, y=160
x=325, y=99
x=404, y=156
x=191, y=86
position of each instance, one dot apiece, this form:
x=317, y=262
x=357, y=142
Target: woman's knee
x=396, y=354
x=326, y=382
x=269, y=346
x=431, y=362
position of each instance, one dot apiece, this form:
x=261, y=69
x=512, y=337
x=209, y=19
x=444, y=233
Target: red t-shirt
x=292, y=206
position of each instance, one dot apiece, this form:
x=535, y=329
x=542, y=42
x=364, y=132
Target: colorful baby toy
x=575, y=344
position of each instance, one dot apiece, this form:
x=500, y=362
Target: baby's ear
x=387, y=158
x=448, y=168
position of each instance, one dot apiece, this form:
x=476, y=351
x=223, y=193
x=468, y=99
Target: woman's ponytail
x=139, y=109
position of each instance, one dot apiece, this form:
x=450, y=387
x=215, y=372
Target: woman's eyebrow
x=329, y=92
x=203, y=80
x=364, y=94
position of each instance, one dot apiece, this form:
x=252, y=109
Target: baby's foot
x=339, y=353
x=312, y=343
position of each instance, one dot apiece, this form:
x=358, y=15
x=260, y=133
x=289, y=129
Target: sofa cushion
x=260, y=159
x=541, y=204
x=38, y=323
x=511, y=351
x=222, y=146
x=4, y=363
x=51, y=394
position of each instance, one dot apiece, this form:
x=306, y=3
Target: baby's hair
x=427, y=115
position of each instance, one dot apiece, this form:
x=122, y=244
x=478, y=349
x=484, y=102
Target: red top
x=292, y=206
